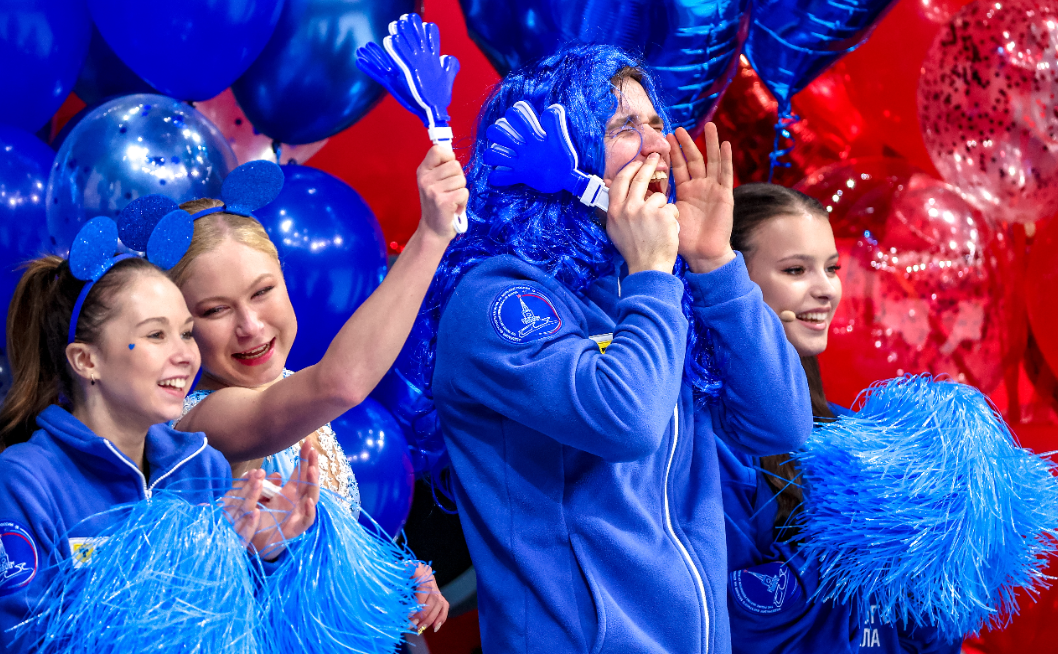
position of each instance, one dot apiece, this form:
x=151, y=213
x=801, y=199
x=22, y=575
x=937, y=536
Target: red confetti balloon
x=919, y=290
x=986, y=102
x=246, y=142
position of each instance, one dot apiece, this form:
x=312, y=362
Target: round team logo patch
x=18, y=557
x=524, y=313
x=764, y=589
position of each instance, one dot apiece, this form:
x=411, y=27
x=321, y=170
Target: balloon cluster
x=178, y=95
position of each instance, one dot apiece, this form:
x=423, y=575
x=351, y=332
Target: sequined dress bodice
x=335, y=473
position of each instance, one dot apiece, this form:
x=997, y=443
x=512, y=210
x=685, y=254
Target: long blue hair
x=553, y=232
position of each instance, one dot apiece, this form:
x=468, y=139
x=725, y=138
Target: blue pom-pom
x=172, y=575
x=170, y=239
x=924, y=505
x=339, y=587
x=92, y=252
x=251, y=186
x=139, y=217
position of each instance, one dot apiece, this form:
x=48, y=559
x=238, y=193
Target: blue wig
x=553, y=232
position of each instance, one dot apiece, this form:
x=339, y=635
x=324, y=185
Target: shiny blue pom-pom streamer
x=339, y=587
x=170, y=574
x=924, y=505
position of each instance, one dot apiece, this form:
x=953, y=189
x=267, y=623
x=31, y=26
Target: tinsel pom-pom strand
x=169, y=575
x=339, y=587
x=924, y=505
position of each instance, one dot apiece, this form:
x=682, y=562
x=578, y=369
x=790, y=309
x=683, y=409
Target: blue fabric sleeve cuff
x=663, y=286
x=728, y=282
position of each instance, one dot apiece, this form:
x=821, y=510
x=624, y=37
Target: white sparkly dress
x=335, y=473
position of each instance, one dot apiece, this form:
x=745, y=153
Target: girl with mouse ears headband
x=256, y=411
x=102, y=356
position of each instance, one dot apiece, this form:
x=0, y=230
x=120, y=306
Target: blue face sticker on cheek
x=524, y=313
x=764, y=589
x=18, y=557
x=132, y=345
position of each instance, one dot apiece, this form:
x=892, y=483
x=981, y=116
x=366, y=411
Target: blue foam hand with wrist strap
x=524, y=152
x=415, y=72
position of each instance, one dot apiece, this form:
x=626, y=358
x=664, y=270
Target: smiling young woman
x=255, y=411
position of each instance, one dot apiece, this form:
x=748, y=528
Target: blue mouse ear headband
x=412, y=68
x=248, y=188
x=152, y=224
x=524, y=153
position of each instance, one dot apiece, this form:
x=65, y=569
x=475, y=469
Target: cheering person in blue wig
x=583, y=364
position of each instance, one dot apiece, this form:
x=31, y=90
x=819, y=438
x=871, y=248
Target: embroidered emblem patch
x=18, y=557
x=524, y=313
x=81, y=549
x=764, y=589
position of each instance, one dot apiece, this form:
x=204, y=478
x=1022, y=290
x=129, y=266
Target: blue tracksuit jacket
x=587, y=482
x=64, y=474
x=769, y=582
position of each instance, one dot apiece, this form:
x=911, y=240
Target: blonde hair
x=214, y=229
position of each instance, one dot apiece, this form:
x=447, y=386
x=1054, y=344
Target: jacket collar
x=166, y=448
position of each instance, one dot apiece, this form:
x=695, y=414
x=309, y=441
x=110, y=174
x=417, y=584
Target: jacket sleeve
x=764, y=406
x=614, y=405
x=31, y=539
x=925, y=640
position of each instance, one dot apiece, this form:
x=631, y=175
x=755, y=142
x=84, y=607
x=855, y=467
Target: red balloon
x=920, y=293
x=1041, y=282
x=986, y=102
x=830, y=129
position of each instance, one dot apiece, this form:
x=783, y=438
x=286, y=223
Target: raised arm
x=246, y=424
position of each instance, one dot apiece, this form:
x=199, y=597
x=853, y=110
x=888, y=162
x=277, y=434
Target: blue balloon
x=24, y=166
x=333, y=255
x=42, y=46
x=306, y=85
x=791, y=43
x=189, y=49
x=378, y=455
x=132, y=146
x=105, y=76
x=690, y=46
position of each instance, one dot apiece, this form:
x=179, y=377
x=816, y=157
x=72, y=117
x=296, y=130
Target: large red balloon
x=830, y=129
x=986, y=102
x=920, y=290
x=1040, y=289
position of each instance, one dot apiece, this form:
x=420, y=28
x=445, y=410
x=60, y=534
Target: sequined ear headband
x=152, y=224
x=248, y=188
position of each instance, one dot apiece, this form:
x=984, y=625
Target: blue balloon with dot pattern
x=131, y=146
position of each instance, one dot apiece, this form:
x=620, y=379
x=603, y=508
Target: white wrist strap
x=596, y=194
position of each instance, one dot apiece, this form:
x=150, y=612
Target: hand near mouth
x=705, y=199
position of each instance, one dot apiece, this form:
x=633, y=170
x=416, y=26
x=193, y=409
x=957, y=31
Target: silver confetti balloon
x=131, y=146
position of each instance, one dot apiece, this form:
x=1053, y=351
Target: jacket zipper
x=149, y=490
x=672, y=532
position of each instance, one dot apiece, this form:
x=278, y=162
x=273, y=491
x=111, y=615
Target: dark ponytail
x=756, y=204
x=38, y=324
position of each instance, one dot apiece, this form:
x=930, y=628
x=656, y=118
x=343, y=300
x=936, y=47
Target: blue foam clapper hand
x=415, y=47
x=378, y=65
x=539, y=154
